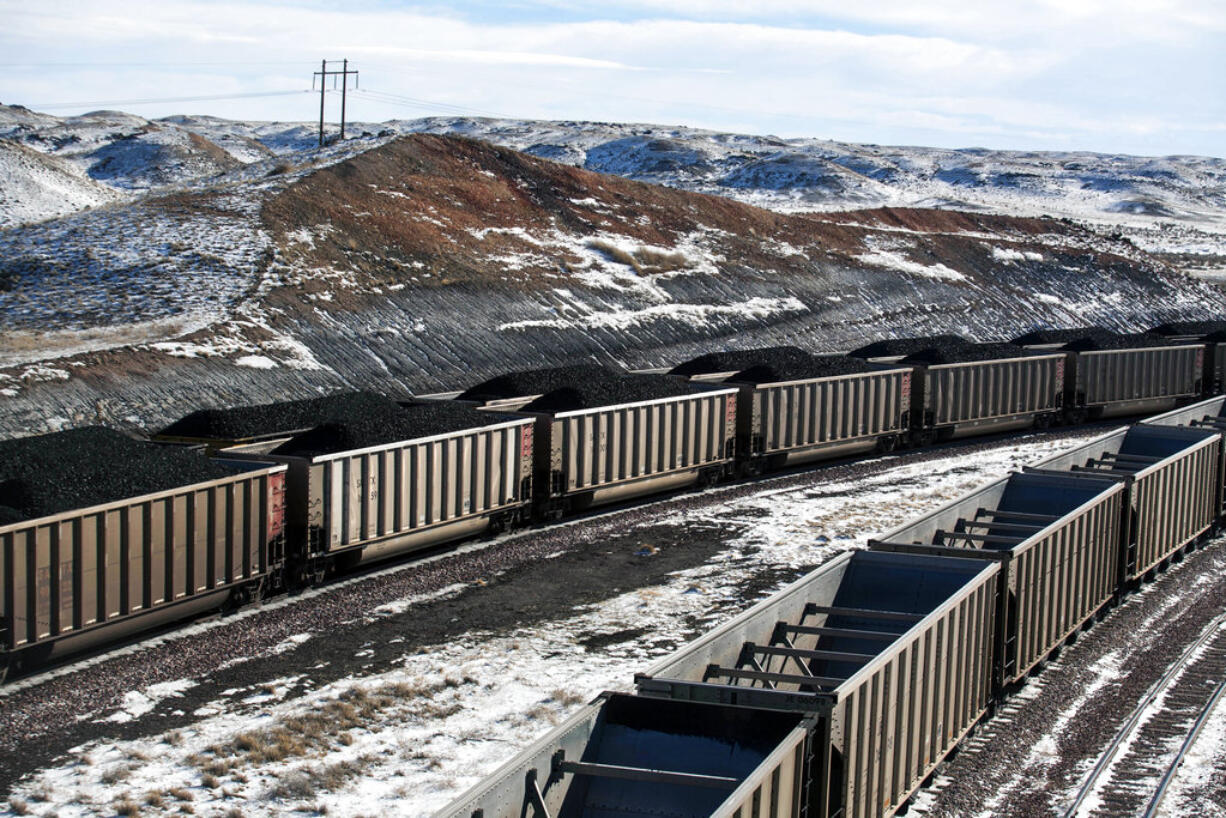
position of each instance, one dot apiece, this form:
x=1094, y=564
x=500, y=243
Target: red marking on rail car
x=730, y=411
x=276, y=504
x=525, y=442
x=906, y=386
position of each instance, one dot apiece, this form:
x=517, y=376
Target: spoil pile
x=817, y=366
x=535, y=382
x=273, y=419
x=369, y=424
x=611, y=390
x=902, y=347
x=86, y=467
x=741, y=359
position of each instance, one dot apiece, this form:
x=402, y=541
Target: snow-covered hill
x=1175, y=205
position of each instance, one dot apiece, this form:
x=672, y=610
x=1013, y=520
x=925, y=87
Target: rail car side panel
x=1131, y=381
x=825, y=416
x=962, y=396
x=80, y=575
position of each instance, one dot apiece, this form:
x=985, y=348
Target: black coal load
x=741, y=359
x=535, y=382
x=967, y=353
x=1114, y=340
x=902, y=347
x=818, y=366
x=49, y=474
x=611, y=390
x=1190, y=329
x=1057, y=337
x=377, y=425
x=274, y=419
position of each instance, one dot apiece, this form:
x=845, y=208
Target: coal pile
x=271, y=419
x=968, y=352
x=79, y=468
x=1044, y=337
x=1113, y=340
x=817, y=366
x=611, y=390
x=1191, y=329
x=902, y=347
x=376, y=425
x=742, y=359
x=536, y=382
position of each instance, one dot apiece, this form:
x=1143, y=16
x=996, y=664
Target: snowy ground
x=407, y=738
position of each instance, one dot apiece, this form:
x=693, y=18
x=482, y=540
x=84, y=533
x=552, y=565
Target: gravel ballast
x=78, y=468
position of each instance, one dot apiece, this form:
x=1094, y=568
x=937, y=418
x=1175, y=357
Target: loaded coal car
x=628, y=755
x=1209, y=415
x=103, y=536
x=1210, y=333
x=1173, y=479
x=961, y=388
x=1057, y=540
x=1108, y=374
x=379, y=478
x=603, y=436
x=892, y=653
x=795, y=407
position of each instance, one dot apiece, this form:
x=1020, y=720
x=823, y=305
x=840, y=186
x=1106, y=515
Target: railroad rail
x=1174, y=709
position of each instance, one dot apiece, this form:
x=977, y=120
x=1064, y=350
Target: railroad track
x=1132, y=774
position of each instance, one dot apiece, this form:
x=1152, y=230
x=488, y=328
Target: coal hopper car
x=1108, y=374
x=794, y=407
x=1057, y=539
x=103, y=536
x=603, y=436
x=891, y=653
x=960, y=388
x=1172, y=477
x=377, y=478
x=628, y=755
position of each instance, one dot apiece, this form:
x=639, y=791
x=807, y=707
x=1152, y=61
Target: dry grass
x=181, y=793
x=127, y=808
x=116, y=775
x=566, y=697
x=643, y=260
x=18, y=807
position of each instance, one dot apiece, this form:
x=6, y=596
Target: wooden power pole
x=323, y=73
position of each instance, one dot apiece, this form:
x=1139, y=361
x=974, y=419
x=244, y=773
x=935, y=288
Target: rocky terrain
x=234, y=263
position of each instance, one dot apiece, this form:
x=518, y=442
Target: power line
x=414, y=102
x=152, y=100
x=323, y=73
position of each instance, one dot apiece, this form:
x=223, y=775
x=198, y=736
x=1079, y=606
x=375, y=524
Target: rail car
x=363, y=478
x=894, y=654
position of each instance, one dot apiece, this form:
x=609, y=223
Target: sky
x=1117, y=76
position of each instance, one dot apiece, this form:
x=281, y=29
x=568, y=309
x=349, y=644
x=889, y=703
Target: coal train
x=102, y=538
x=838, y=696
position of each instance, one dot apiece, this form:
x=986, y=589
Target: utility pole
x=323, y=73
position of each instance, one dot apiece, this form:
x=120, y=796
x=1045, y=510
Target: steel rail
x=1154, y=803
x=1134, y=719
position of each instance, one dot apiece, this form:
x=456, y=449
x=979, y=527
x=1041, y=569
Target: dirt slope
x=433, y=262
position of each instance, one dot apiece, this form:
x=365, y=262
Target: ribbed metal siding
x=1106, y=376
x=1208, y=414
x=898, y=723
x=829, y=410
x=983, y=390
x=1175, y=504
x=1053, y=581
x=603, y=446
x=360, y=498
x=75, y=571
x=1057, y=582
